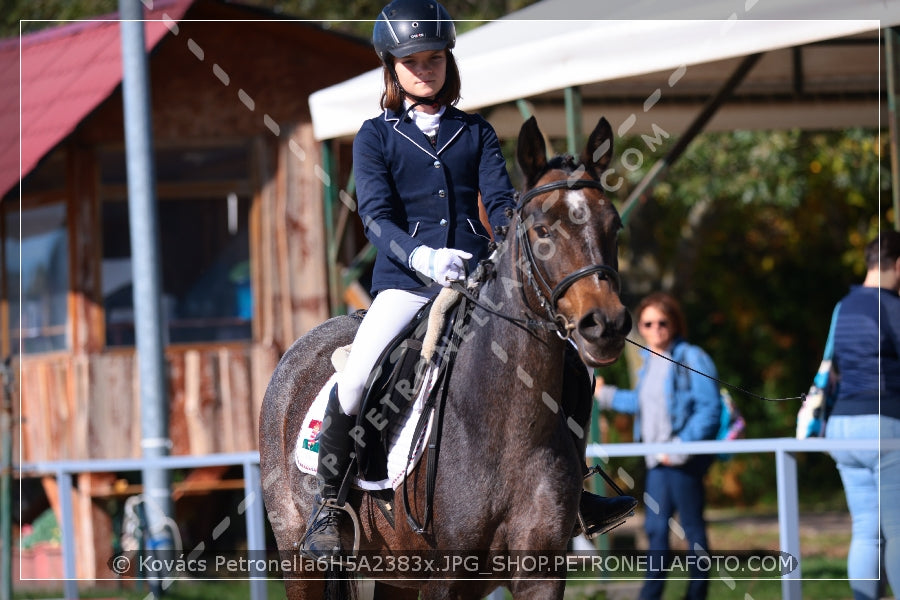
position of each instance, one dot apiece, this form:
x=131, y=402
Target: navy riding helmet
x=405, y=27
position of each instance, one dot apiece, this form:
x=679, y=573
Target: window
x=204, y=245
x=38, y=278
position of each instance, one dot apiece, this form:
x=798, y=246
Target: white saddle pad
x=306, y=451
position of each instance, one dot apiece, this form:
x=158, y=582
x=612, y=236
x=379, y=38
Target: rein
x=736, y=388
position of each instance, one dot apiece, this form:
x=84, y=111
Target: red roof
x=66, y=72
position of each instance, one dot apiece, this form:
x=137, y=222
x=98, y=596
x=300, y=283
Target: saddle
x=410, y=365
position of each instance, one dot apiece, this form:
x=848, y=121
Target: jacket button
x=442, y=193
x=443, y=222
x=437, y=164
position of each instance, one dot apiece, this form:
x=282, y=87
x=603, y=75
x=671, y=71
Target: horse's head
x=568, y=233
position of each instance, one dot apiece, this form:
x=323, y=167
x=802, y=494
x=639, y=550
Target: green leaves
x=759, y=233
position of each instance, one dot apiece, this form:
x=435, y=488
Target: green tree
x=352, y=16
x=33, y=15
x=759, y=234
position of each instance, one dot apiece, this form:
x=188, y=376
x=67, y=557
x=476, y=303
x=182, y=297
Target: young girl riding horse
x=420, y=166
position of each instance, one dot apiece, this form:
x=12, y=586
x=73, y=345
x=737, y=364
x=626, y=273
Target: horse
x=510, y=461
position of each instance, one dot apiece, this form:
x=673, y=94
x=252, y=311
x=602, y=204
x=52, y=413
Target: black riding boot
x=600, y=514
x=323, y=537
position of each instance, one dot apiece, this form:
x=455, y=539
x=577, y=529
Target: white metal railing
x=63, y=471
x=785, y=450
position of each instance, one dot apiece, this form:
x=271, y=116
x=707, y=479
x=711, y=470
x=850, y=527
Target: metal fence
x=784, y=449
x=63, y=470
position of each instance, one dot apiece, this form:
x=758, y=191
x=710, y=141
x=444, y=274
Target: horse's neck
x=514, y=292
x=522, y=366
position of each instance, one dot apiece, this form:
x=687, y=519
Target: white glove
x=444, y=265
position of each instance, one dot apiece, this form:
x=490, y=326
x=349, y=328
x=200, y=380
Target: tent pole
x=332, y=241
x=891, y=44
x=695, y=128
x=572, y=97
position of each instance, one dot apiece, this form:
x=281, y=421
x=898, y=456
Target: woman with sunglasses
x=671, y=403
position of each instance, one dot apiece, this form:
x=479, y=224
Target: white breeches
x=390, y=312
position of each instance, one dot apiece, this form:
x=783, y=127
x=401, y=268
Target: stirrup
x=602, y=528
x=606, y=526
x=335, y=504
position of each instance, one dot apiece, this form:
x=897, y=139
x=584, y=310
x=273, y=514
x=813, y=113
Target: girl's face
x=423, y=73
x=656, y=329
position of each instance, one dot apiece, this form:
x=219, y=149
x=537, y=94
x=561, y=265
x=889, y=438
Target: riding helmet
x=405, y=27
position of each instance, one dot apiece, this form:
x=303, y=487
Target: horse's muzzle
x=600, y=336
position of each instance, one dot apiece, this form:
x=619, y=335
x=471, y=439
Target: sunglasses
x=648, y=324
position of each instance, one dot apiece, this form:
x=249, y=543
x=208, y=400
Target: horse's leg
x=300, y=374
x=456, y=590
x=288, y=526
x=526, y=589
x=304, y=589
x=387, y=592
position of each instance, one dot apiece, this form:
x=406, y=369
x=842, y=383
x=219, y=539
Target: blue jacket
x=411, y=194
x=868, y=329
x=693, y=401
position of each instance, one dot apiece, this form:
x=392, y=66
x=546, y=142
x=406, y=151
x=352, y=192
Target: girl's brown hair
x=392, y=96
x=669, y=306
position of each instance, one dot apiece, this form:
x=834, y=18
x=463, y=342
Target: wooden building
x=239, y=187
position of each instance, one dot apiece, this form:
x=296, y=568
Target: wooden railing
x=79, y=407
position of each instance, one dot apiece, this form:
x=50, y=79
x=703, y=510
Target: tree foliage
x=351, y=16
x=760, y=234
x=33, y=15
x=356, y=16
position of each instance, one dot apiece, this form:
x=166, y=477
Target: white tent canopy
x=556, y=44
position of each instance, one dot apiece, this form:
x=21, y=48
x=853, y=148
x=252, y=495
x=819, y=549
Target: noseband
x=564, y=327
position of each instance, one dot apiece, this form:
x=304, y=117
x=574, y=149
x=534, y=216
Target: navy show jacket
x=410, y=193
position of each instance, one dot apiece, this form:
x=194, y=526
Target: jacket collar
x=452, y=123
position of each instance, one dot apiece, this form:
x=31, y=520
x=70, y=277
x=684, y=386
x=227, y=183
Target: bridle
x=533, y=272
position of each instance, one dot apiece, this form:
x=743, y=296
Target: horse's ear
x=599, y=149
x=531, y=152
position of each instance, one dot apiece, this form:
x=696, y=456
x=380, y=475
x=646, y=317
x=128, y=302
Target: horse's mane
x=486, y=268
x=563, y=162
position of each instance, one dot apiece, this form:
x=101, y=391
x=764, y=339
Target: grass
x=180, y=590
x=824, y=540
x=819, y=582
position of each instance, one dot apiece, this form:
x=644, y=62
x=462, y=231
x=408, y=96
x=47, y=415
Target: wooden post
x=92, y=524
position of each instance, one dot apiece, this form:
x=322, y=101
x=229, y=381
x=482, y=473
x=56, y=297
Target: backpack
x=731, y=423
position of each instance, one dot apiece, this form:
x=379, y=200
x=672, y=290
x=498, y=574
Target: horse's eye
x=542, y=231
